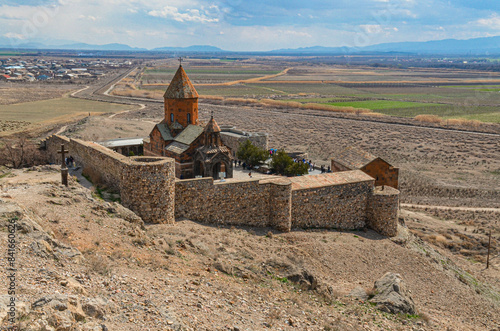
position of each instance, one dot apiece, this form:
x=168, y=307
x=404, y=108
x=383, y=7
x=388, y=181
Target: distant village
x=38, y=69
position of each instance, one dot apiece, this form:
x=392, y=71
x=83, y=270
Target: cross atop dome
x=180, y=87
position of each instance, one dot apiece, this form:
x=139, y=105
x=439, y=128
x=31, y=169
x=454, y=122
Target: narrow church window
x=172, y=117
x=189, y=118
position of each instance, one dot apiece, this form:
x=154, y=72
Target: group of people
x=323, y=170
x=312, y=165
x=70, y=161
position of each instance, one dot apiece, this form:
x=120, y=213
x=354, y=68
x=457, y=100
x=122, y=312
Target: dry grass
x=429, y=118
x=134, y=93
x=211, y=97
x=457, y=122
x=464, y=122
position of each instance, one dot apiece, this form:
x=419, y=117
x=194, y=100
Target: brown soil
x=18, y=93
x=200, y=277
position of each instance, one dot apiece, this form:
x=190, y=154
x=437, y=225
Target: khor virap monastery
x=197, y=150
x=176, y=177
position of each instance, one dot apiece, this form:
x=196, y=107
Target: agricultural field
x=18, y=93
x=447, y=93
x=47, y=112
x=205, y=75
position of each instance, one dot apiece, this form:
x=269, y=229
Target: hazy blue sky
x=246, y=25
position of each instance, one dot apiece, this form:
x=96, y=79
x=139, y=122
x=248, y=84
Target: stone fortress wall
x=338, y=206
x=346, y=200
x=252, y=203
x=146, y=184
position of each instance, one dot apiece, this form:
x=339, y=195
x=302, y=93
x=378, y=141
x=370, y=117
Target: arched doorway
x=218, y=168
x=199, y=168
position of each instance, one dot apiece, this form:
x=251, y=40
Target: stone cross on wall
x=64, y=169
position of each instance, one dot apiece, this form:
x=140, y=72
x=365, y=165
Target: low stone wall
x=382, y=211
x=252, y=203
x=337, y=207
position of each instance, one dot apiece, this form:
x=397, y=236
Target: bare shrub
x=20, y=152
x=99, y=265
x=371, y=292
x=428, y=118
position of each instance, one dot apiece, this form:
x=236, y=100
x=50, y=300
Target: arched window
x=172, y=117
x=189, y=118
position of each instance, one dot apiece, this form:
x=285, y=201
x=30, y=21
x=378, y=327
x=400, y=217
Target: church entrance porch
x=217, y=168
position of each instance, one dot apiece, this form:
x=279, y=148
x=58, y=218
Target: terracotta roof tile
x=330, y=179
x=212, y=126
x=180, y=87
x=354, y=158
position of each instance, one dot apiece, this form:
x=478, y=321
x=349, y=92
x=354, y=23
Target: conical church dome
x=180, y=87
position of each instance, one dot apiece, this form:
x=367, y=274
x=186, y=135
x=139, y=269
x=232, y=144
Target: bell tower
x=180, y=101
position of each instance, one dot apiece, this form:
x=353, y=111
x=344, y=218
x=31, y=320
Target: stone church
x=197, y=150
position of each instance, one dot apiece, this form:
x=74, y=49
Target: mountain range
x=476, y=46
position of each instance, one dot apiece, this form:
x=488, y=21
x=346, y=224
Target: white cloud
x=12, y=35
x=20, y=12
x=89, y=18
x=190, y=15
x=493, y=22
x=371, y=28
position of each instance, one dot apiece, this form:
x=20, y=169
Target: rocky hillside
x=87, y=264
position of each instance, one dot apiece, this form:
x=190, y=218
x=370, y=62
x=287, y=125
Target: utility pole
x=489, y=247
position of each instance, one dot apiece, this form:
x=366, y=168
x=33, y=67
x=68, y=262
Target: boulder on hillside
x=392, y=296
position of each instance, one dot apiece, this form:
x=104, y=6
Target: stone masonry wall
x=345, y=200
x=338, y=206
x=280, y=205
x=52, y=145
x=382, y=211
x=250, y=203
x=147, y=187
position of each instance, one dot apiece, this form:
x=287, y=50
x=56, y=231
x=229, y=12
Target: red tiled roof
x=354, y=158
x=180, y=87
x=330, y=179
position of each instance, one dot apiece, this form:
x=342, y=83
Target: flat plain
x=390, y=91
x=449, y=181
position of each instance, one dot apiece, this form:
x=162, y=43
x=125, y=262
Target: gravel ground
x=197, y=277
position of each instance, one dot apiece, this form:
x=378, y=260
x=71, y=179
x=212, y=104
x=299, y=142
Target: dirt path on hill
x=408, y=205
x=142, y=106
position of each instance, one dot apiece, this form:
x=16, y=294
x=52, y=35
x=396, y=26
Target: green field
x=46, y=110
x=306, y=85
